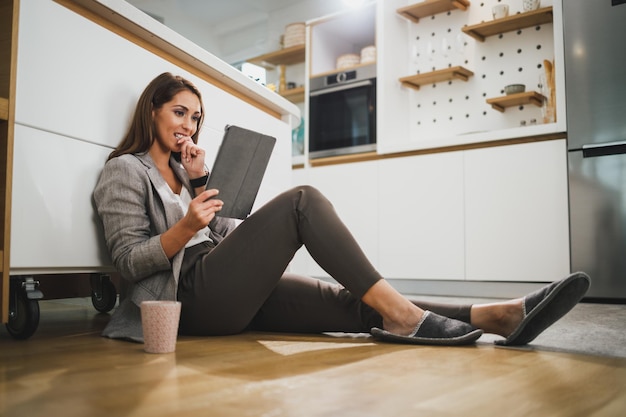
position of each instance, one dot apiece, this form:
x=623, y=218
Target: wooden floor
x=67, y=369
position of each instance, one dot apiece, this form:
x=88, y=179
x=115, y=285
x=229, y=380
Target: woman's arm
x=135, y=220
x=124, y=197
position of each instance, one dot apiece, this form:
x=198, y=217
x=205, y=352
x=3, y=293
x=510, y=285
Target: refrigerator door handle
x=604, y=149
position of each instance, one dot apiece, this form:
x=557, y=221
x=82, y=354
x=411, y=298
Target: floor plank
x=67, y=369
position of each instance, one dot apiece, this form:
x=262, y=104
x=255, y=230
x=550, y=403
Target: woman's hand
x=202, y=209
x=192, y=157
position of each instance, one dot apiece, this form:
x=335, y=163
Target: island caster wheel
x=23, y=309
x=103, y=293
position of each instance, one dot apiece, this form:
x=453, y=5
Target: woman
x=164, y=237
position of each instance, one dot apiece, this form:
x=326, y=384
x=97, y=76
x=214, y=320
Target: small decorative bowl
x=514, y=89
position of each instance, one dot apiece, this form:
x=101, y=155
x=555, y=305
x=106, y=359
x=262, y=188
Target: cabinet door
x=352, y=189
x=53, y=226
x=421, y=217
x=517, y=212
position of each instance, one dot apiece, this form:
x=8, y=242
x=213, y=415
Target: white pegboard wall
x=453, y=108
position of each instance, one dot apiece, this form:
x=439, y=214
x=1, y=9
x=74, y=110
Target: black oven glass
x=342, y=120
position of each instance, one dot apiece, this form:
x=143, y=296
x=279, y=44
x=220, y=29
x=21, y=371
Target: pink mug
x=159, y=320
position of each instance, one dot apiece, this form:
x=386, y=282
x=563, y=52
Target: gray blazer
x=136, y=206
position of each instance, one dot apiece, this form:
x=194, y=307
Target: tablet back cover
x=239, y=168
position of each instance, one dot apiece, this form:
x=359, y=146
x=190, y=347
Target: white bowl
x=514, y=89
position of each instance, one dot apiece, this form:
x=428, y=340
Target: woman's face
x=177, y=118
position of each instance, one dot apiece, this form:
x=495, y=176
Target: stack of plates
x=348, y=60
x=294, y=34
x=368, y=54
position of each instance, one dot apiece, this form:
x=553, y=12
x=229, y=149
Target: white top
x=202, y=235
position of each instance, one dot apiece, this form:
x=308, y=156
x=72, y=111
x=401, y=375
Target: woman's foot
x=433, y=329
x=400, y=316
x=404, y=324
x=544, y=307
x=498, y=318
x=520, y=320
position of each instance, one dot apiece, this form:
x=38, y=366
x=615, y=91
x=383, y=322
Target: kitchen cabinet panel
x=352, y=189
x=516, y=217
x=490, y=214
x=421, y=231
x=57, y=206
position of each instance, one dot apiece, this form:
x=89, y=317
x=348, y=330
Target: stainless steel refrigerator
x=595, y=80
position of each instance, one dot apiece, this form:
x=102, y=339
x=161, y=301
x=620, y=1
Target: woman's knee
x=307, y=194
x=306, y=190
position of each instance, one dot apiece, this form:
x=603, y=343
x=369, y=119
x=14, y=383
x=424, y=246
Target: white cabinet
x=55, y=145
x=491, y=214
x=53, y=221
x=516, y=209
x=421, y=217
x=353, y=191
x=340, y=34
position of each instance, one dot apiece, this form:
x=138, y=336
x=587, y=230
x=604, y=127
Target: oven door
x=342, y=119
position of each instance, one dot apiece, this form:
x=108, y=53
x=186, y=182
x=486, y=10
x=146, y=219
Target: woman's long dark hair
x=161, y=90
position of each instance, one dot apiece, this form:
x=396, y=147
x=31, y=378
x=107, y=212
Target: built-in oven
x=342, y=112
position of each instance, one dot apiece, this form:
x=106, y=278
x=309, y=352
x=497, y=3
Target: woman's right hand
x=203, y=208
x=201, y=211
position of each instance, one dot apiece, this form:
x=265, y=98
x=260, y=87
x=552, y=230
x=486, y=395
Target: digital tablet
x=239, y=168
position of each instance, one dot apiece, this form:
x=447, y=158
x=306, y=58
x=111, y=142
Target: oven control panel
x=365, y=72
x=341, y=77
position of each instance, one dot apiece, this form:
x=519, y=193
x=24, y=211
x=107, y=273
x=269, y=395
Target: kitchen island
x=80, y=68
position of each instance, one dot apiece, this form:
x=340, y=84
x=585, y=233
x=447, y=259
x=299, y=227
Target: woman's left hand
x=192, y=157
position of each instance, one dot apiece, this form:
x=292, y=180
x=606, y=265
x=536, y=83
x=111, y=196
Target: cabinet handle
x=340, y=88
x=604, y=149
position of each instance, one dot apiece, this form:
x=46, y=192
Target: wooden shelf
x=519, y=99
x=286, y=56
x=339, y=70
x=509, y=23
x=426, y=8
x=295, y=95
x=454, y=73
x=4, y=108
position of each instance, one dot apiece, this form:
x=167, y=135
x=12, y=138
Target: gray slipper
x=433, y=329
x=545, y=306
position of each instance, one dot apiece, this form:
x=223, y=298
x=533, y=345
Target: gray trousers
x=241, y=283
